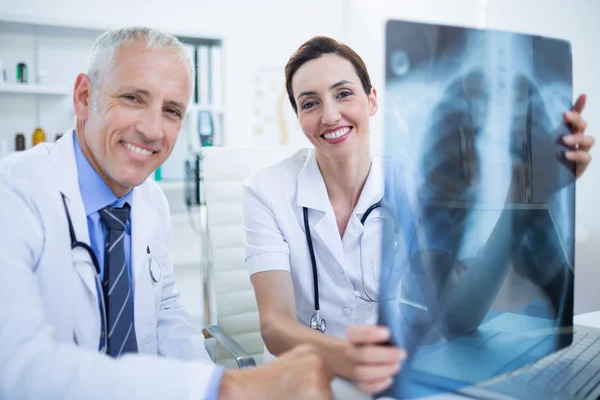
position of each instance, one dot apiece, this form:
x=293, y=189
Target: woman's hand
x=578, y=141
x=371, y=362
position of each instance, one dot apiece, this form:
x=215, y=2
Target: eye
x=308, y=105
x=130, y=98
x=173, y=112
x=344, y=94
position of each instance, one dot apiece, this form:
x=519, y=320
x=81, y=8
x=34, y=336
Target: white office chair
x=231, y=305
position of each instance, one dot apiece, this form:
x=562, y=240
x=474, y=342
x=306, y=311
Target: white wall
x=574, y=21
x=260, y=33
x=256, y=33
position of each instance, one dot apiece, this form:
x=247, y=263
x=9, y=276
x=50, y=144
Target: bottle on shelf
x=22, y=76
x=158, y=174
x=19, y=141
x=39, y=136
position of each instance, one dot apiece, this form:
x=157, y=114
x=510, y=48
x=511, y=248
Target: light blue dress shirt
x=96, y=195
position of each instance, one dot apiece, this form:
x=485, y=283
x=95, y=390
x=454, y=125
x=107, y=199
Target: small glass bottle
x=19, y=141
x=39, y=136
x=22, y=76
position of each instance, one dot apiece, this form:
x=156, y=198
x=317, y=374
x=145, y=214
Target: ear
x=373, y=106
x=82, y=96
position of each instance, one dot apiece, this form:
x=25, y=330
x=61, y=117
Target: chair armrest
x=233, y=348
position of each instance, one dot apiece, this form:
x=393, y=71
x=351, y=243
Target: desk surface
x=345, y=390
x=589, y=319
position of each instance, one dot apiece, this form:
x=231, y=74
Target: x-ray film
x=484, y=285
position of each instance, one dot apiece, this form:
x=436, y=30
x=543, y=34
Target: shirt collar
x=373, y=188
x=95, y=193
x=312, y=192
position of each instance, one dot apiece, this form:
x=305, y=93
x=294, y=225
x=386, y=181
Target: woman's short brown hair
x=315, y=48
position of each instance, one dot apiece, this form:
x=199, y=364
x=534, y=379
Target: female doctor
x=310, y=211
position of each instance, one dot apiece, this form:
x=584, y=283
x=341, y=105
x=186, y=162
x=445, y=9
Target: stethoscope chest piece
x=155, y=271
x=317, y=323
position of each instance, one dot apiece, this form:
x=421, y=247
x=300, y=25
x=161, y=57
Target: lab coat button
x=347, y=311
x=341, y=271
x=356, y=293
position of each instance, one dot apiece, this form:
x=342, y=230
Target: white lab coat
x=50, y=319
x=275, y=239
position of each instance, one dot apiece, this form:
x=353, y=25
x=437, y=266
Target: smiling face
x=333, y=108
x=131, y=127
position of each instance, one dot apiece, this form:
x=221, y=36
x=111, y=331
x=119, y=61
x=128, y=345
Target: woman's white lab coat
x=275, y=239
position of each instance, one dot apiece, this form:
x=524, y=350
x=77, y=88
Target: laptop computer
x=484, y=303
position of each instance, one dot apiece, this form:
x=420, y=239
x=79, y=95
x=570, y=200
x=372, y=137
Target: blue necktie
x=117, y=288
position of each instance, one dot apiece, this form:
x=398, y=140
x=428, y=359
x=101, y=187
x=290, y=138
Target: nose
x=331, y=114
x=151, y=125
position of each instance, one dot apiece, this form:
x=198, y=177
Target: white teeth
x=336, y=134
x=138, y=150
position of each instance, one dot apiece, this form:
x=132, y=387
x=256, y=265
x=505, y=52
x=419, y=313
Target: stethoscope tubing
x=74, y=244
x=363, y=220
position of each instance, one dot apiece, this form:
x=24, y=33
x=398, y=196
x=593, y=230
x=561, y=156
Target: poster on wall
x=273, y=120
x=481, y=282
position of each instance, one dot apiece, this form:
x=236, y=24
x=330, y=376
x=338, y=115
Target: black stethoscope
x=316, y=322
x=155, y=272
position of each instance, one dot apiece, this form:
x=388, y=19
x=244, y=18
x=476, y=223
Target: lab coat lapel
x=142, y=226
x=312, y=194
x=372, y=192
x=65, y=171
x=373, y=189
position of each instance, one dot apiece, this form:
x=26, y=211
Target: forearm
x=39, y=367
x=281, y=333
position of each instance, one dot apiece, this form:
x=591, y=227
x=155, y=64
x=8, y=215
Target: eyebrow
x=175, y=104
x=139, y=91
x=169, y=103
x=334, y=86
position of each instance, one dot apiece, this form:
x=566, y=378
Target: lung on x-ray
x=477, y=115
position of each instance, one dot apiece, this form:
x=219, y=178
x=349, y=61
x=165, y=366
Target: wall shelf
x=26, y=88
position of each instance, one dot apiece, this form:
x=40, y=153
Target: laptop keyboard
x=574, y=370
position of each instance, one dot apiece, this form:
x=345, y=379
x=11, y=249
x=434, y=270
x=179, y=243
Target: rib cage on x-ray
x=484, y=111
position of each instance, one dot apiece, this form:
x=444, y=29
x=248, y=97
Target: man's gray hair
x=104, y=51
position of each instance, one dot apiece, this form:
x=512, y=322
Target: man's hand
x=373, y=362
x=297, y=374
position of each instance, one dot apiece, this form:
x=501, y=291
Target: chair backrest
x=231, y=296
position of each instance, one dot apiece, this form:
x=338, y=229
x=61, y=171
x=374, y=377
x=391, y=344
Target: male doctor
x=87, y=297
